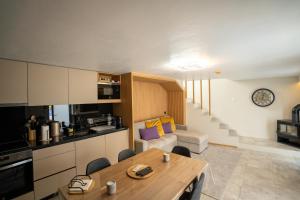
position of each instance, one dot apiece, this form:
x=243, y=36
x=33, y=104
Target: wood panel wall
x=150, y=100
x=125, y=109
x=177, y=106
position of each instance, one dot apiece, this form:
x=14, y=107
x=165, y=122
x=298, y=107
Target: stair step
x=233, y=132
x=223, y=126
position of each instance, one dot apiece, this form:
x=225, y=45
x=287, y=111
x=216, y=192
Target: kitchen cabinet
x=82, y=86
x=50, y=185
x=116, y=142
x=47, y=85
x=88, y=150
x=13, y=82
x=53, y=167
x=49, y=161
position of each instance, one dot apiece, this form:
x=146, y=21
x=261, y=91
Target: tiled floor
x=237, y=174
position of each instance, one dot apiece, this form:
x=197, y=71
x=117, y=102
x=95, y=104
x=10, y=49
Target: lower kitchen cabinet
x=53, y=167
x=50, y=185
x=116, y=142
x=51, y=160
x=88, y=150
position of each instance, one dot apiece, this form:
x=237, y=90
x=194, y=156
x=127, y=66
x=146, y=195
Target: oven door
x=16, y=179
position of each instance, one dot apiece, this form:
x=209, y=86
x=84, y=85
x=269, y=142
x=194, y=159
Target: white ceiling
x=243, y=38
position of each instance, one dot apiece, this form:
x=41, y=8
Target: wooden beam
x=194, y=92
x=201, y=95
x=209, y=97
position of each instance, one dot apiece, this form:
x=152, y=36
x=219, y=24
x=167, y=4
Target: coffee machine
x=295, y=115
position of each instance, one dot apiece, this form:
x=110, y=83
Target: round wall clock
x=263, y=97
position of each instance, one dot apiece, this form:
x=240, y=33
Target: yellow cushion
x=156, y=123
x=167, y=119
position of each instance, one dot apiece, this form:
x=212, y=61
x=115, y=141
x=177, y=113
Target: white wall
x=232, y=104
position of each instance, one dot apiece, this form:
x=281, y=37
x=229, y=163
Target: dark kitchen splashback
x=13, y=119
x=79, y=113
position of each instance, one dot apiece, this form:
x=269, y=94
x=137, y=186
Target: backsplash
x=13, y=119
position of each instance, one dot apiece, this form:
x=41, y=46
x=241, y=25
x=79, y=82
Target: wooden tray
x=133, y=175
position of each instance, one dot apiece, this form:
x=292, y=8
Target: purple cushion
x=167, y=127
x=149, y=133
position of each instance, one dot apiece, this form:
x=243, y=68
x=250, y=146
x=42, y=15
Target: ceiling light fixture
x=188, y=63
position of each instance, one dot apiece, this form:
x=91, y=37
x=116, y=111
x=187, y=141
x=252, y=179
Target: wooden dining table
x=169, y=180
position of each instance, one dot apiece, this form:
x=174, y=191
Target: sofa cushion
x=163, y=141
x=156, y=123
x=149, y=133
x=191, y=137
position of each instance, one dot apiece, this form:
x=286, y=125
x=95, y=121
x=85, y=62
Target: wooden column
x=194, y=92
x=209, y=97
x=201, y=95
x=185, y=88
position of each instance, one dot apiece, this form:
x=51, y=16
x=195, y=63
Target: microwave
x=108, y=91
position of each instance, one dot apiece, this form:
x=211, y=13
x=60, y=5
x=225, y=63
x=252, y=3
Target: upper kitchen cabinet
x=82, y=86
x=13, y=82
x=47, y=85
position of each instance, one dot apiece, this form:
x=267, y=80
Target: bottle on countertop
x=109, y=119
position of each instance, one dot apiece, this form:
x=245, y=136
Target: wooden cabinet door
x=47, y=85
x=82, y=86
x=88, y=150
x=116, y=142
x=13, y=82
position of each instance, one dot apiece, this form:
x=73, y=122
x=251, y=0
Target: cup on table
x=166, y=157
x=111, y=187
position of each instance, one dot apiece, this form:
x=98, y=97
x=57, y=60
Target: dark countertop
x=77, y=136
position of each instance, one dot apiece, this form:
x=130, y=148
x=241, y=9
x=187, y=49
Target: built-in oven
x=16, y=174
x=108, y=90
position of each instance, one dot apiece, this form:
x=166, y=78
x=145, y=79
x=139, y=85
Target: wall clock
x=263, y=97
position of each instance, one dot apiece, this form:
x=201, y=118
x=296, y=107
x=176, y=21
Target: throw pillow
x=156, y=123
x=149, y=133
x=166, y=119
x=167, y=127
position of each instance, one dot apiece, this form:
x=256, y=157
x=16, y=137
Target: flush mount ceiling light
x=188, y=63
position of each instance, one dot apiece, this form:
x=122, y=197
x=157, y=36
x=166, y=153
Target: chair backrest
x=197, y=188
x=181, y=151
x=124, y=154
x=97, y=165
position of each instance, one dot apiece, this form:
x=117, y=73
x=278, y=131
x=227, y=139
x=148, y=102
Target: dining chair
x=180, y=150
x=195, y=194
x=97, y=165
x=124, y=154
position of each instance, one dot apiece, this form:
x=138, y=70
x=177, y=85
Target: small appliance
x=55, y=128
x=45, y=133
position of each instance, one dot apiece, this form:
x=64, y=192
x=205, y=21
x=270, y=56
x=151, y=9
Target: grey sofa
x=195, y=141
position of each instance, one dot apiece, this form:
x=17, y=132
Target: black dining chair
x=97, y=165
x=195, y=194
x=180, y=150
x=124, y=154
